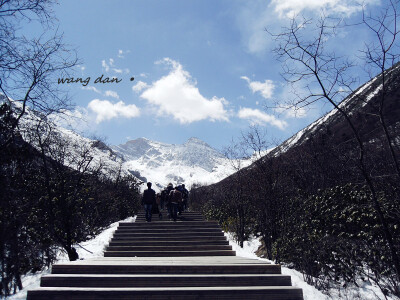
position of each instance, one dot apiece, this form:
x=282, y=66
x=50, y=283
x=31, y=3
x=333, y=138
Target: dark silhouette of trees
x=308, y=60
x=54, y=194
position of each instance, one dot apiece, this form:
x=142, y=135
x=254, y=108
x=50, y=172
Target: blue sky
x=201, y=68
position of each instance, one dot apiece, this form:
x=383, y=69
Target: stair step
x=170, y=280
x=186, y=214
x=165, y=238
x=166, y=220
x=187, y=259
x=165, y=216
x=169, y=248
x=167, y=234
x=164, y=253
x=176, y=293
x=168, y=243
x=165, y=210
x=112, y=267
x=186, y=223
x=179, y=216
x=167, y=230
x=168, y=226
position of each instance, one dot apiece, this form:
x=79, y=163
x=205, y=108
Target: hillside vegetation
x=53, y=196
x=309, y=200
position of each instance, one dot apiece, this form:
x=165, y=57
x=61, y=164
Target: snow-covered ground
x=97, y=245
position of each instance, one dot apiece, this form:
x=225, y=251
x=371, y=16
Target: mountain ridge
x=193, y=161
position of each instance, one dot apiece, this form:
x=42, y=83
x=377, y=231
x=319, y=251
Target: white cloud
x=110, y=93
x=91, y=88
x=139, y=86
x=121, y=53
x=176, y=95
x=105, y=66
x=289, y=8
x=265, y=88
x=106, y=110
x=111, y=66
x=120, y=71
x=144, y=75
x=253, y=17
x=255, y=116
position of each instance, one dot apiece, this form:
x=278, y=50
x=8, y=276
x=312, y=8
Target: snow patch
x=95, y=245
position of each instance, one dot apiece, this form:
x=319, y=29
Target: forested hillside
x=326, y=201
x=47, y=206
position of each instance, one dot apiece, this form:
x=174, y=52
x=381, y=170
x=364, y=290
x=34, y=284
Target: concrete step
x=170, y=234
x=165, y=215
x=173, y=293
x=169, y=226
x=167, y=230
x=190, y=213
x=179, y=215
x=170, y=280
x=178, y=223
x=165, y=212
x=166, y=220
x=207, y=260
x=159, y=243
x=167, y=260
x=165, y=253
x=169, y=248
x=165, y=238
x=174, y=267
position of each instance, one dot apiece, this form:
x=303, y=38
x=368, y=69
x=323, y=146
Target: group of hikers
x=174, y=200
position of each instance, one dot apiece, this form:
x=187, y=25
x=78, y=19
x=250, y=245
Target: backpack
x=176, y=196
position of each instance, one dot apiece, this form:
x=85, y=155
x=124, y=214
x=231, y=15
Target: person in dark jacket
x=176, y=199
x=149, y=198
x=169, y=188
x=185, y=197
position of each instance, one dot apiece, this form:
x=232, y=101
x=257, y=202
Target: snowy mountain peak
x=196, y=141
x=193, y=161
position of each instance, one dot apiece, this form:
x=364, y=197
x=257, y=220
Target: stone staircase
x=187, y=259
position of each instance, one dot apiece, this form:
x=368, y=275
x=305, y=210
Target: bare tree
x=29, y=67
x=381, y=54
x=306, y=59
x=236, y=153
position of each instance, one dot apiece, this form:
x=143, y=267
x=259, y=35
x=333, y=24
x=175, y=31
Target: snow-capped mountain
x=192, y=162
x=363, y=100
x=68, y=147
